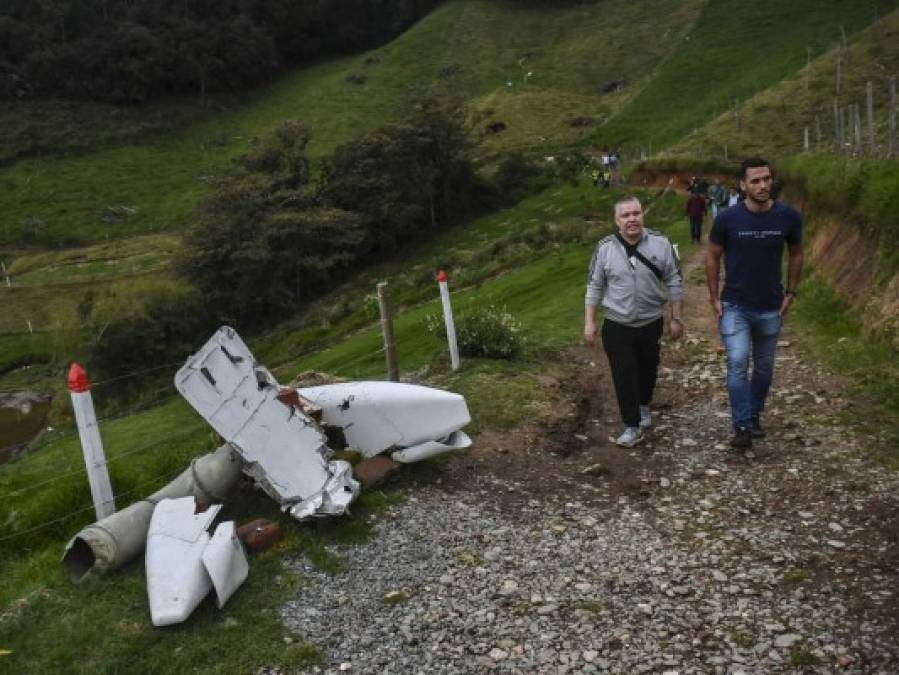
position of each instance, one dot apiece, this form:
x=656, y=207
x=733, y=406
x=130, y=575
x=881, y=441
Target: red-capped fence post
x=448, y=319
x=92, y=446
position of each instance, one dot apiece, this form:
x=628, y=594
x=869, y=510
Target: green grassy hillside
x=772, y=121
x=470, y=48
x=734, y=51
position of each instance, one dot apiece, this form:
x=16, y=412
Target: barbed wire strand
x=112, y=460
x=162, y=477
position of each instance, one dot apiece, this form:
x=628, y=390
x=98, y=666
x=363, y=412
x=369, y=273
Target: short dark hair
x=752, y=163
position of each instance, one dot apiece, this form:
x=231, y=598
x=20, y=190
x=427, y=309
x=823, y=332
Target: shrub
x=490, y=332
x=516, y=177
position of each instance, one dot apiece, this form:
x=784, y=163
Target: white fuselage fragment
x=284, y=449
x=377, y=416
x=183, y=562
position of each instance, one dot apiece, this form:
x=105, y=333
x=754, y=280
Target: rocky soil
x=551, y=550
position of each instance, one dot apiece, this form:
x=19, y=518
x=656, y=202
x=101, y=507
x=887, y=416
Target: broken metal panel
x=458, y=440
x=284, y=449
x=177, y=581
x=225, y=562
x=334, y=498
x=376, y=416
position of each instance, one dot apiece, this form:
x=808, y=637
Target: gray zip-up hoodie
x=631, y=293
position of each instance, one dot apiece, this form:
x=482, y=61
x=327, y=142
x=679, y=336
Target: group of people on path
x=609, y=170
x=635, y=274
x=703, y=198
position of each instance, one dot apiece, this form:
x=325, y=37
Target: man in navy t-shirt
x=751, y=237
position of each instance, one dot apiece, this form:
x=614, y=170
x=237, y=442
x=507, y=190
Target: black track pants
x=634, y=361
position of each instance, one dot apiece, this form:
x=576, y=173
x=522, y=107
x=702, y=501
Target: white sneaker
x=645, y=417
x=630, y=437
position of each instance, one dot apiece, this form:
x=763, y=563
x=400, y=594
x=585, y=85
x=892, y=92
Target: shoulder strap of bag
x=642, y=258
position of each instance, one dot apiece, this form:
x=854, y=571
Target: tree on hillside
x=135, y=50
x=263, y=244
x=408, y=178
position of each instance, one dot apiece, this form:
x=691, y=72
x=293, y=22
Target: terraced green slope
x=735, y=50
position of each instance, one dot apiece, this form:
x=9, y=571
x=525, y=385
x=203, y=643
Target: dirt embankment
x=660, y=179
x=847, y=257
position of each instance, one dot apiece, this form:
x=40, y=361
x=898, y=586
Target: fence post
x=858, y=129
x=448, y=319
x=892, y=119
x=91, y=445
x=393, y=370
x=869, y=103
x=836, y=124
x=839, y=73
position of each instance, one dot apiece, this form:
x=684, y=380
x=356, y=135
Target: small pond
x=22, y=416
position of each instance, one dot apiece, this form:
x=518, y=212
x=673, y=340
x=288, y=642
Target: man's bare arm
x=590, y=323
x=713, y=255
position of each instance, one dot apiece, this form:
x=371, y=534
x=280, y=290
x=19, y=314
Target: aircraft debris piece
x=110, y=543
x=259, y=535
x=377, y=416
x=285, y=450
x=184, y=563
x=458, y=440
x=225, y=562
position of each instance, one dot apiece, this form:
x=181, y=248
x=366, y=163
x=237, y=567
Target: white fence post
x=92, y=446
x=448, y=319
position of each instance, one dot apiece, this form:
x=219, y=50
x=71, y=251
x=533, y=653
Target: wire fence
x=138, y=489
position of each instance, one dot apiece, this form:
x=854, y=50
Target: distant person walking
x=750, y=311
x=634, y=273
x=615, y=165
x=733, y=196
x=717, y=197
x=696, y=208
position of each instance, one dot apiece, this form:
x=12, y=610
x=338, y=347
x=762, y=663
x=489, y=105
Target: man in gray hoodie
x=635, y=273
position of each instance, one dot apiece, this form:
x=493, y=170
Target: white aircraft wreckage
x=281, y=438
x=184, y=562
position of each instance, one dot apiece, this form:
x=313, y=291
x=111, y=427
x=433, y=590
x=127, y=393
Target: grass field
x=470, y=48
x=772, y=121
x=734, y=51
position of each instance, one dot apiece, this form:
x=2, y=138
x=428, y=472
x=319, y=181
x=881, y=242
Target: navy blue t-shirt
x=753, y=250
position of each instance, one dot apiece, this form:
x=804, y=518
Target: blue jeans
x=746, y=332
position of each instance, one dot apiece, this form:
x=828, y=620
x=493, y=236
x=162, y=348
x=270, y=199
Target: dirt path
x=550, y=550
x=806, y=519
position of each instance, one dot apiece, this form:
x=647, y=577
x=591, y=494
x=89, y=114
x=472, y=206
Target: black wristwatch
x=793, y=293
